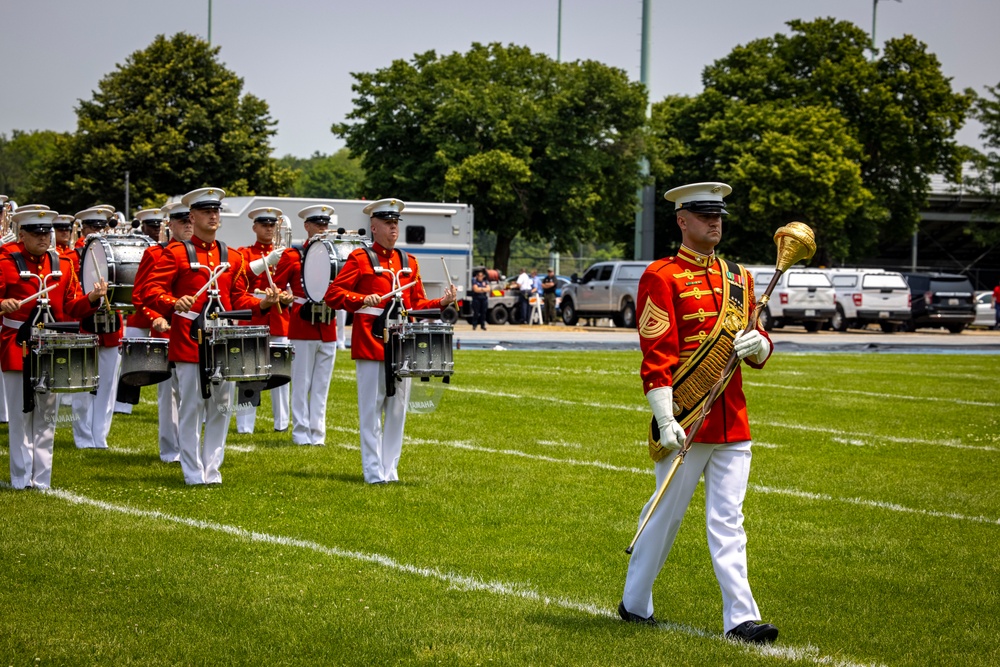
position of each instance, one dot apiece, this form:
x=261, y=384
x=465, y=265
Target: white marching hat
x=317, y=213
x=385, y=208
x=265, y=214
x=97, y=216
x=204, y=198
x=33, y=207
x=64, y=222
x=174, y=210
x=150, y=216
x=35, y=221
x=700, y=197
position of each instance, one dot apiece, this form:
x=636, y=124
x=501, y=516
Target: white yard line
x=874, y=394
x=649, y=472
x=560, y=401
x=459, y=581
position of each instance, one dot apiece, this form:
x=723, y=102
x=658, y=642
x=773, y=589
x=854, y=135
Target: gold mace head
x=796, y=241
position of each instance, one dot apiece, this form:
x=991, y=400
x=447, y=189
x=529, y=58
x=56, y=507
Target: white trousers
x=32, y=435
x=201, y=457
x=726, y=469
x=381, y=444
x=167, y=400
x=92, y=414
x=245, y=419
x=341, y=325
x=3, y=401
x=311, y=371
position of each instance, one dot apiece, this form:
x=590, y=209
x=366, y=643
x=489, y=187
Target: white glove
x=270, y=259
x=752, y=345
x=661, y=399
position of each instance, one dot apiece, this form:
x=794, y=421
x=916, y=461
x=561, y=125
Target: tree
x=175, y=119
x=986, y=183
x=784, y=163
x=544, y=150
x=21, y=158
x=899, y=109
x=336, y=176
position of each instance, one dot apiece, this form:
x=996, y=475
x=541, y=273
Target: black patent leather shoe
x=629, y=617
x=752, y=632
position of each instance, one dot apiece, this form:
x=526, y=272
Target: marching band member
x=313, y=332
x=92, y=413
x=137, y=324
x=265, y=222
x=93, y=224
x=692, y=311
x=183, y=270
x=181, y=229
x=32, y=428
x=358, y=288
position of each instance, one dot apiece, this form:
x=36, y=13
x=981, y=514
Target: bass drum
x=114, y=258
x=323, y=260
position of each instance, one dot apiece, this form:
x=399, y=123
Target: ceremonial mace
x=796, y=241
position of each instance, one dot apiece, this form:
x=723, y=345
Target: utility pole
x=874, y=13
x=210, y=21
x=127, y=192
x=554, y=256
x=647, y=193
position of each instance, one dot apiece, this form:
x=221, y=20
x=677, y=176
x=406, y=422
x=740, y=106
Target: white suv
x=802, y=296
x=870, y=295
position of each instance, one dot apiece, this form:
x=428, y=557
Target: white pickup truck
x=607, y=289
x=869, y=296
x=802, y=296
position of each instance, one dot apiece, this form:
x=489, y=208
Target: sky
x=298, y=55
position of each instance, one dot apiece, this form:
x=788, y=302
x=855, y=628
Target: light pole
x=210, y=21
x=874, y=12
x=647, y=193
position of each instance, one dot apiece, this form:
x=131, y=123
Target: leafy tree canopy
x=545, y=150
x=894, y=117
x=175, y=119
x=21, y=159
x=337, y=176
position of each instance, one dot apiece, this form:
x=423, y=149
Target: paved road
x=517, y=337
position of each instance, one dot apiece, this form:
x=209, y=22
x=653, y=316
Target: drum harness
x=40, y=317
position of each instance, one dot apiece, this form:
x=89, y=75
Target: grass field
x=873, y=519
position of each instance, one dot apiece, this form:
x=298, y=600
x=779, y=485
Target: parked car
x=866, y=296
x=607, y=289
x=985, y=312
x=940, y=300
x=802, y=296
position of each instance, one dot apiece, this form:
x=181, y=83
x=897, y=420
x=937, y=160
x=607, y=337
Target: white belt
x=299, y=300
x=13, y=324
x=368, y=311
x=191, y=314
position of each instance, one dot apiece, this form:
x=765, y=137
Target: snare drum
x=238, y=353
x=421, y=349
x=63, y=362
x=281, y=364
x=144, y=361
x=114, y=258
x=323, y=260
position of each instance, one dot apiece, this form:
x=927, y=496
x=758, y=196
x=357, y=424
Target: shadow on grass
x=345, y=477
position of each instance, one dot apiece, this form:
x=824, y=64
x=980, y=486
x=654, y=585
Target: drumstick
x=270, y=279
x=447, y=275
x=29, y=299
x=397, y=291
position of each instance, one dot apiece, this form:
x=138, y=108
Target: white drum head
x=95, y=264
x=319, y=268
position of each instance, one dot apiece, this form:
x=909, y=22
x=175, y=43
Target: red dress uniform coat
x=172, y=277
x=67, y=300
x=685, y=292
x=278, y=323
x=288, y=273
x=143, y=316
x=357, y=280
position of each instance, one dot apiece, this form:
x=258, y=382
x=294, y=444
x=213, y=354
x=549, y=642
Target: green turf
x=872, y=520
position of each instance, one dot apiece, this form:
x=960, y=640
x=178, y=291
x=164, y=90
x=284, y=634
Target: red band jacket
x=288, y=274
x=679, y=302
x=357, y=280
x=172, y=277
x=277, y=322
x=67, y=301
